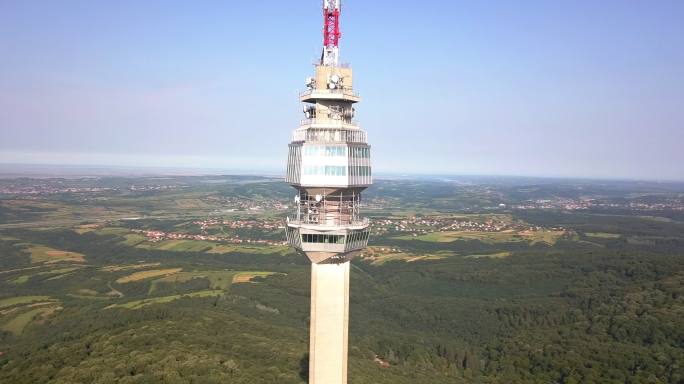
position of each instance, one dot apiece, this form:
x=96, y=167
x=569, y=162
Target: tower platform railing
x=329, y=92
x=331, y=225
x=328, y=123
x=327, y=135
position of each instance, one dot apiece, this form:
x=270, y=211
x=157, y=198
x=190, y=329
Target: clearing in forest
x=246, y=277
x=139, y=240
x=499, y=255
x=50, y=274
x=252, y=249
x=217, y=279
x=43, y=254
x=17, y=324
x=545, y=237
x=137, y=276
x=21, y=300
x=85, y=228
x=119, y=268
x=137, y=304
x=381, y=255
x=509, y=236
x=603, y=235
x=91, y=294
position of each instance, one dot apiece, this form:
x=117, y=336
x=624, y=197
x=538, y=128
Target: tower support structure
x=329, y=323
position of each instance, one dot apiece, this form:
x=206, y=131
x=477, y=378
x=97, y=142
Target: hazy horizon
x=536, y=89
x=10, y=170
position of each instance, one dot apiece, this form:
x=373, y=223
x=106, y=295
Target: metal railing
x=344, y=92
x=330, y=135
x=333, y=122
x=317, y=62
x=334, y=223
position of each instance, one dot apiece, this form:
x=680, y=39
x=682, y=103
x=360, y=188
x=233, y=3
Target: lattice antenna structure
x=331, y=32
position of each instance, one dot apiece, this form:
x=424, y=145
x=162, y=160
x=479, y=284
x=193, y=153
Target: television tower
x=329, y=165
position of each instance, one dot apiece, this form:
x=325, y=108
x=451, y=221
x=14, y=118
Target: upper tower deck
x=329, y=150
x=330, y=83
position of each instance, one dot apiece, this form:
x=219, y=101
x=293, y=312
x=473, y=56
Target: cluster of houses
x=438, y=224
x=266, y=224
x=155, y=236
x=569, y=204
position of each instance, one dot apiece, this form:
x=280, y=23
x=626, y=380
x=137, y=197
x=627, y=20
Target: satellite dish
x=319, y=198
x=310, y=81
x=332, y=85
x=335, y=79
x=297, y=199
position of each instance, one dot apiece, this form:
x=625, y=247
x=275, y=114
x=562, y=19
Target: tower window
x=322, y=239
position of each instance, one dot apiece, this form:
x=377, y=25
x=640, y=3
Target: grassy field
x=17, y=324
x=43, y=254
x=120, y=268
x=183, y=245
x=137, y=304
x=246, y=277
x=51, y=274
x=251, y=249
x=21, y=300
x=58, y=271
x=137, y=276
x=36, y=213
x=499, y=255
x=217, y=279
x=20, y=280
x=380, y=255
x=92, y=294
x=532, y=237
x=29, y=204
x=81, y=229
x=203, y=246
x=603, y=235
x=133, y=239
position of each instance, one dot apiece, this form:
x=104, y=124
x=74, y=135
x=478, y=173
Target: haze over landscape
x=580, y=89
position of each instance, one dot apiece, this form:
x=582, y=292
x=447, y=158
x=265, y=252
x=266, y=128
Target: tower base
x=329, y=323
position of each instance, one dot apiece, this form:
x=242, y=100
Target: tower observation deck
x=329, y=166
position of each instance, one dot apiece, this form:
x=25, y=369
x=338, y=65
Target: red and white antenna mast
x=331, y=33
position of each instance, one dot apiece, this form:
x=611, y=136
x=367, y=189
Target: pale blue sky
x=544, y=88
